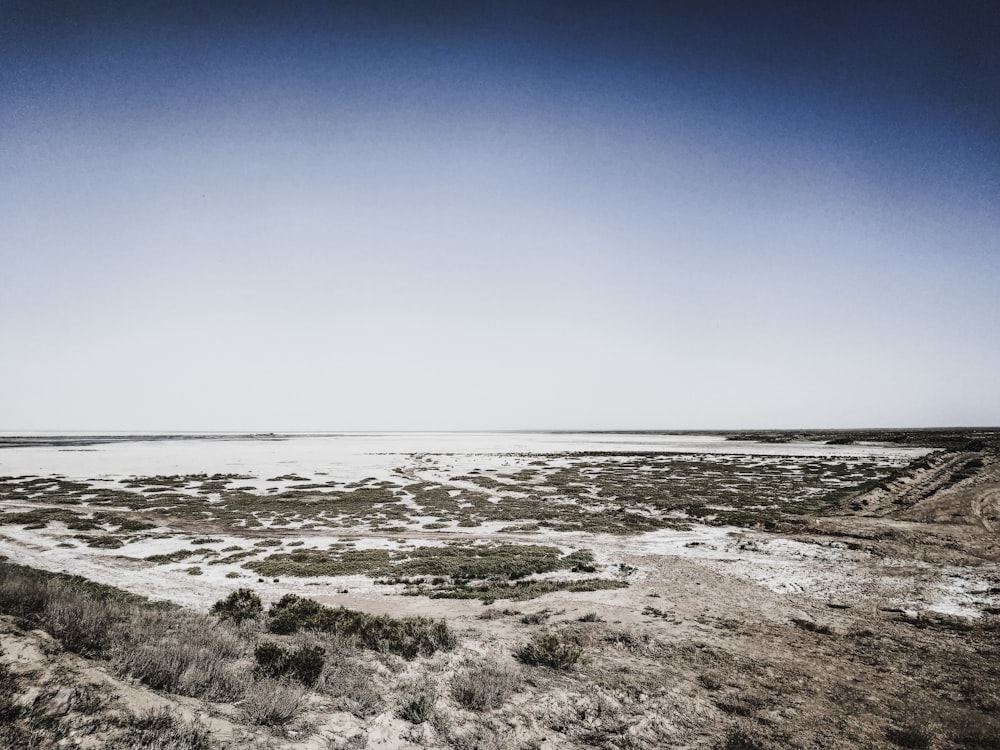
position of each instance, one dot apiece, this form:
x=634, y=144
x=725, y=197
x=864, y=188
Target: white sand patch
x=352, y=457
x=830, y=573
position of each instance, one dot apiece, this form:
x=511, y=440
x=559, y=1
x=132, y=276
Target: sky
x=510, y=215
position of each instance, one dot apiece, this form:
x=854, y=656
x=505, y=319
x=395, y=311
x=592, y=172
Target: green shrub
x=272, y=659
x=550, y=650
x=304, y=664
x=240, y=605
x=407, y=636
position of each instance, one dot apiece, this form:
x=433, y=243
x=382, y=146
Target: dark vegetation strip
x=408, y=637
x=457, y=561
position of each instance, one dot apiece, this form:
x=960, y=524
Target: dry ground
x=700, y=650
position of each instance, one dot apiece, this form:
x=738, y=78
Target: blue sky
x=312, y=216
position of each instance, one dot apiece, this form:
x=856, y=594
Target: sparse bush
x=479, y=738
x=534, y=618
x=352, y=686
x=407, y=636
x=485, y=686
x=240, y=605
x=304, y=664
x=8, y=692
x=418, y=707
x=81, y=625
x=182, y=653
x=272, y=703
x=105, y=541
x=550, y=650
x=629, y=639
x=160, y=730
x=590, y=617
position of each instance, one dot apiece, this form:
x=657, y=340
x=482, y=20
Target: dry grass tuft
x=550, y=650
x=485, y=685
x=272, y=703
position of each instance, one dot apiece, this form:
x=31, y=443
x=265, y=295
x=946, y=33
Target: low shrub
x=272, y=703
x=182, y=653
x=81, y=625
x=550, y=650
x=354, y=742
x=305, y=664
x=485, y=686
x=419, y=707
x=521, y=590
x=534, y=618
x=408, y=636
x=159, y=729
x=352, y=686
x=240, y=605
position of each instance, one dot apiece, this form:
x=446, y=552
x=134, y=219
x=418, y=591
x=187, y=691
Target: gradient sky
x=511, y=215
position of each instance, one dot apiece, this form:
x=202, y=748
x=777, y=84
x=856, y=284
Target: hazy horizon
x=523, y=216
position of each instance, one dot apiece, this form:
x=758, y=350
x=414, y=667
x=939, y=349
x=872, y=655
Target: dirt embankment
x=944, y=509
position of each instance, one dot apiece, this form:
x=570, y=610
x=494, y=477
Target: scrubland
x=769, y=597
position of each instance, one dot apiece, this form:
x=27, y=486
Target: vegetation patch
x=105, y=541
x=485, y=685
x=304, y=664
x=172, y=557
x=515, y=591
x=407, y=636
x=455, y=562
x=550, y=650
x=419, y=706
x=240, y=605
